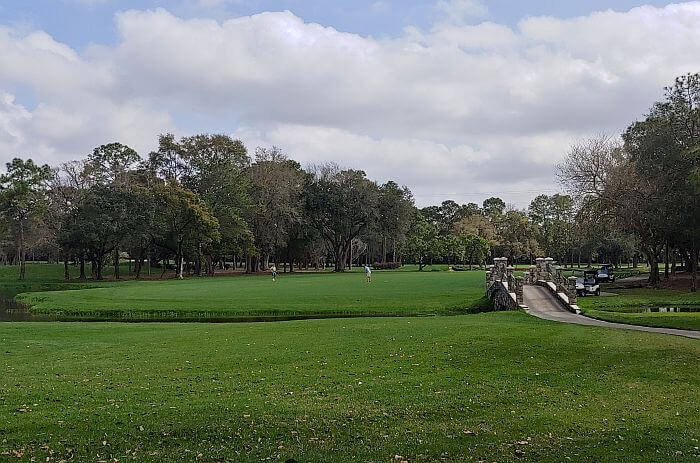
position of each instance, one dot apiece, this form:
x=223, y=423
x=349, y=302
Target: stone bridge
x=544, y=292
x=503, y=287
x=506, y=290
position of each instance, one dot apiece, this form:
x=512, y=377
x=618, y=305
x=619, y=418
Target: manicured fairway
x=463, y=388
x=325, y=294
x=629, y=305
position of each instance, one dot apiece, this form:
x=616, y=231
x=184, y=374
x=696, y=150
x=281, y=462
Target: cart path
x=542, y=304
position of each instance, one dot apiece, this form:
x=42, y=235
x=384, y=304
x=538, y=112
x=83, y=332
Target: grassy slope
x=390, y=293
x=625, y=308
x=348, y=390
x=45, y=277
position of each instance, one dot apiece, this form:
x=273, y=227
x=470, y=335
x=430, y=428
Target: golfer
x=273, y=270
x=368, y=273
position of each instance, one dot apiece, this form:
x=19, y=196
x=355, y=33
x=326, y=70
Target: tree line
x=203, y=203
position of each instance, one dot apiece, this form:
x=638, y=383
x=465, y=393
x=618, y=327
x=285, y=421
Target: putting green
x=322, y=294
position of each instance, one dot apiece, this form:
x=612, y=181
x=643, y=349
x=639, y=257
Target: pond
x=672, y=309
x=13, y=311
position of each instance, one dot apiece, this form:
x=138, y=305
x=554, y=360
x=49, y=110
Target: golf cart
x=586, y=283
x=606, y=274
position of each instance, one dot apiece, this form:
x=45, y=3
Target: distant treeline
x=202, y=202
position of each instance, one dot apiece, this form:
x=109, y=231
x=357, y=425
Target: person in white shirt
x=368, y=273
x=273, y=270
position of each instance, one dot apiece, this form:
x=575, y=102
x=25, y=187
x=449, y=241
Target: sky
x=456, y=99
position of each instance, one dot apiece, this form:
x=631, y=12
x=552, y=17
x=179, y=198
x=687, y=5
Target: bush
x=386, y=265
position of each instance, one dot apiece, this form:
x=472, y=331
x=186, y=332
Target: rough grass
x=628, y=306
x=323, y=294
x=490, y=387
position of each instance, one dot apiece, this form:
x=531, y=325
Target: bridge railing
x=546, y=271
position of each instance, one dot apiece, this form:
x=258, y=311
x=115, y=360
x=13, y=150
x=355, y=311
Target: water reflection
x=672, y=309
x=13, y=311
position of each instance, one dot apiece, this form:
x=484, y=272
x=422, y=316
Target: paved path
x=541, y=304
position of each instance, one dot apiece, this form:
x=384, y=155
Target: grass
x=45, y=277
x=629, y=304
x=453, y=389
x=485, y=387
x=324, y=294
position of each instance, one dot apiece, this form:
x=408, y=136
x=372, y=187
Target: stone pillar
x=532, y=277
x=519, y=290
x=510, y=277
x=557, y=272
x=549, y=268
x=499, y=270
x=572, y=290
x=540, y=269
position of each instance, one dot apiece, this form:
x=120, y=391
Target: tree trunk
x=339, y=259
x=116, y=264
x=654, y=267
x=179, y=260
x=98, y=271
x=666, y=261
x=82, y=267
x=198, y=262
x=210, y=265
x=694, y=266
x=22, y=270
x=66, y=273
x=383, y=249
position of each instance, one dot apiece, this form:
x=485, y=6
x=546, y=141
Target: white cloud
x=459, y=11
x=461, y=108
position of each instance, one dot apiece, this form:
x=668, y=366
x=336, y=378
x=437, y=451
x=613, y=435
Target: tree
x=99, y=224
x=517, y=236
x=111, y=164
x=23, y=198
x=472, y=227
x=396, y=208
x=142, y=223
x=475, y=248
x=183, y=221
x=423, y=242
x=660, y=150
x=340, y=204
x=214, y=167
x=167, y=162
x=277, y=186
x=493, y=208
x=554, y=217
